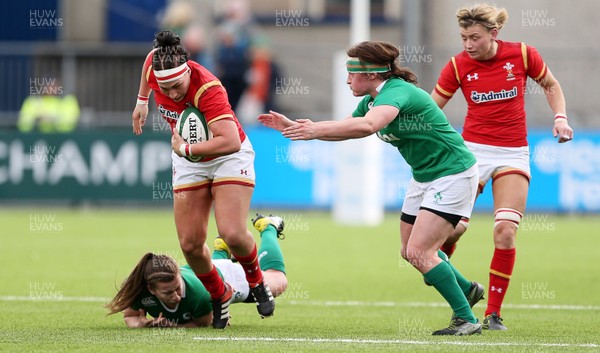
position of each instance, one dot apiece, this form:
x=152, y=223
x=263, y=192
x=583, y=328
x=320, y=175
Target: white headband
x=168, y=75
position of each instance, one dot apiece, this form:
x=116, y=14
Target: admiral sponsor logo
x=148, y=301
x=478, y=97
x=168, y=114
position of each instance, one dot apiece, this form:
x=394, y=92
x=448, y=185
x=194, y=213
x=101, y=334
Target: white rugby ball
x=193, y=128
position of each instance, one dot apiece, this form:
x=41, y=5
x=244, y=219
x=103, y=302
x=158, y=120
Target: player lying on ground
x=174, y=297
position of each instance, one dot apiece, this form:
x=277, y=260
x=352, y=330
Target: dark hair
x=169, y=51
x=382, y=53
x=149, y=270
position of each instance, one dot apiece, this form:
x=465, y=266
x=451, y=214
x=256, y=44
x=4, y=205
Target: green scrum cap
x=354, y=65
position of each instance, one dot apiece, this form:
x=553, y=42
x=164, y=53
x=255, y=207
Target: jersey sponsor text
x=168, y=114
x=478, y=97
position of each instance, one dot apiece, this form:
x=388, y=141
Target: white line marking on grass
x=15, y=298
x=320, y=303
x=368, y=341
x=435, y=305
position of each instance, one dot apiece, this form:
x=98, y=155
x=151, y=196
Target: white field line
x=50, y=298
x=318, y=303
x=435, y=305
x=423, y=343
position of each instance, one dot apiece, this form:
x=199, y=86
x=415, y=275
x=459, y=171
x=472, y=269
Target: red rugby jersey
x=205, y=93
x=494, y=90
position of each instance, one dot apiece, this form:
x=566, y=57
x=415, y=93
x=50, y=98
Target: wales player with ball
x=224, y=177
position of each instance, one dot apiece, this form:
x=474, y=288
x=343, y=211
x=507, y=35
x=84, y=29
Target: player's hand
x=305, y=129
x=139, y=118
x=143, y=321
x=275, y=120
x=176, y=142
x=160, y=321
x=562, y=130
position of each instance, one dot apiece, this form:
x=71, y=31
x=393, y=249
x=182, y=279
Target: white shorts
x=234, y=275
x=496, y=161
x=453, y=194
x=236, y=168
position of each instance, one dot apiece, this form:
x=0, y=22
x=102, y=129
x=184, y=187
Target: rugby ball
x=193, y=128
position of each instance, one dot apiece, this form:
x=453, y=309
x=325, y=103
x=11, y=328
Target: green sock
x=270, y=256
x=442, y=279
x=463, y=283
x=219, y=254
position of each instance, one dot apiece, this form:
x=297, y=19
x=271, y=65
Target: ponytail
x=150, y=269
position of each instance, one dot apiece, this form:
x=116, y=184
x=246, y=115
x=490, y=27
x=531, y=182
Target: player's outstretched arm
x=275, y=120
x=336, y=130
x=138, y=319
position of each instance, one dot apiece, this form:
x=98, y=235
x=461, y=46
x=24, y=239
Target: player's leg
x=428, y=233
x=449, y=245
x=510, y=198
x=192, y=211
x=270, y=255
x=233, y=184
x=473, y=291
x=422, y=232
x=221, y=250
x=232, y=202
x=486, y=163
x=276, y=280
x=445, y=202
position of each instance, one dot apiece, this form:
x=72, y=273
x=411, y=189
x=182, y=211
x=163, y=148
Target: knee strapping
x=507, y=215
x=464, y=222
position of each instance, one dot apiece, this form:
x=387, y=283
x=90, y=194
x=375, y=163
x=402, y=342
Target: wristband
x=141, y=100
x=185, y=150
x=558, y=116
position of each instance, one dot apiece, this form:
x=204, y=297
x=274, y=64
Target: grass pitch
x=348, y=288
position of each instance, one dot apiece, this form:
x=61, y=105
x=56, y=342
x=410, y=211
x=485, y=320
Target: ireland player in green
x=174, y=296
x=445, y=174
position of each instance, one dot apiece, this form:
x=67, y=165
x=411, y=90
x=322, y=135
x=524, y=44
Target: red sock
x=501, y=269
x=448, y=250
x=213, y=283
x=251, y=267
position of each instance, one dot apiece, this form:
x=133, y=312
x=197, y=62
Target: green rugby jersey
x=420, y=132
x=195, y=301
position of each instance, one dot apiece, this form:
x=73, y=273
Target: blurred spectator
x=260, y=92
x=178, y=15
x=195, y=42
x=233, y=59
x=48, y=110
x=244, y=61
x=189, y=20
